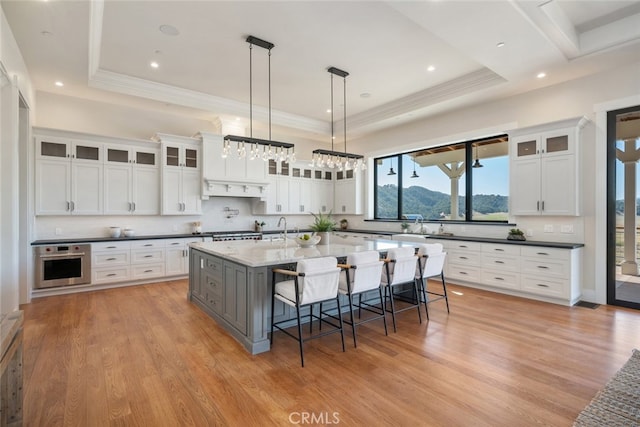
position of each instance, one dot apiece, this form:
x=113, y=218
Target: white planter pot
x=325, y=237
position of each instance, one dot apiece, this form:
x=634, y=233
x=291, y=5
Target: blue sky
x=493, y=178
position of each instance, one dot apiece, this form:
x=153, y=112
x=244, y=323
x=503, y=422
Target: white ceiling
x=102, y=49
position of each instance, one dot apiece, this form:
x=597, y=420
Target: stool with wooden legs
x=314, y=281
x=431, y=260
x=360, y=274
x=400, y=269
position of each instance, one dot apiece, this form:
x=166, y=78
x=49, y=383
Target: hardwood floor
x=145, y=356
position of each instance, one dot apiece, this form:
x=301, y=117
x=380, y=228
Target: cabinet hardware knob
x=111, y=259
x=111, y=274
x=542, y=285
x=148, y=271
x=544, y=267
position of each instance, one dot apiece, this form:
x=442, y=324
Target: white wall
x=12, y=215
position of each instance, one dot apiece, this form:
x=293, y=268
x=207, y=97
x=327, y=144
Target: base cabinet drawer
x=108, y=275
x=147, y=256
x=501, y=279
x=464, y=272
x=147, y=271
x=110, y=258
x=466, y=258
x=546, y=267
x=545, y=286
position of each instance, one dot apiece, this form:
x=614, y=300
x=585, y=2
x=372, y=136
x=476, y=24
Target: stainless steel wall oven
x=62, y=265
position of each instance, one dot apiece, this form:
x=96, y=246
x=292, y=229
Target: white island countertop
x=260, y=253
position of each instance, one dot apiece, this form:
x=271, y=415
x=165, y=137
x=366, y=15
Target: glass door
x=623, y=182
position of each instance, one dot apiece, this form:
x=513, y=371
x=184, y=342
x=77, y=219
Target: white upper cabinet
x=132, y=180
x=544, y=169
x=84, y=174
x=348, y=192
x=68, y=176
x=181, y=175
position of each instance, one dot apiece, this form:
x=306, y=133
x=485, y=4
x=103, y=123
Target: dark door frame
x=611, y=208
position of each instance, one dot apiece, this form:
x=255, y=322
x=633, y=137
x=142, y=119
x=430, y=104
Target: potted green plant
x=323, y=225
x=516, y=234
x=405, y=226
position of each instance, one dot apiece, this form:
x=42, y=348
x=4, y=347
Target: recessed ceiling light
x=154, y=64
x=365, y=95
x=59, y=84
x=237, y=118
x=431, y=68
x=328, y=110
x=500, y=44
x=541, y=75
x=169, y=30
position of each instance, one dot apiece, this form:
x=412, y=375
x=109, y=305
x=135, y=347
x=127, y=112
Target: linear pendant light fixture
x=339, y=159
x=266, y=149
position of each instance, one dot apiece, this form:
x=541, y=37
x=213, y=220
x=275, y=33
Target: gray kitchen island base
x=231, y=282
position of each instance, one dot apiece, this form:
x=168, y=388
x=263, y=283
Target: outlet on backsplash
x=58, y=231
x=548, y=228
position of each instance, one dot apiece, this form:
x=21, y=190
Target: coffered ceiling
x=406, y=60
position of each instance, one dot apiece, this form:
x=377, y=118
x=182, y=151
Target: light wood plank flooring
x=145, y=356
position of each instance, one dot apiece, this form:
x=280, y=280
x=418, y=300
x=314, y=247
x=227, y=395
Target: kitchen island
x=231, y=281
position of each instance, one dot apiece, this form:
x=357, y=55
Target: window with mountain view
x=433, y=183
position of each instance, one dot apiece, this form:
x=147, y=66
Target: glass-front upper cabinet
x=558, y=142
x=64, y=149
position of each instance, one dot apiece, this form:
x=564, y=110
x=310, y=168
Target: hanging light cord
x=269, y=94
x=344, y=96
x=332, y=137
x=250, y=91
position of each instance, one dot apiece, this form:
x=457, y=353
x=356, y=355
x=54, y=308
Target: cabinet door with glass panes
x=132, y=180
x=68, y=177
x=322, y=201
x=181, y=179
x=544, y=173
x=301, y=189
x=347, y=193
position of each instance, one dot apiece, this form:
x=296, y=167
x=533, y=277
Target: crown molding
x=477, y=80
x=121, y=83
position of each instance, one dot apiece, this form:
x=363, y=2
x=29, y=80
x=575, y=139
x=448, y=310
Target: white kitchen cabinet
x=323, y=191
x=301, y=189
x=348, y=192
x=181, y=175
x=69, y=177
x=132, y=180
x=545, y=169
x=177, y=256
x=278, y=195
x=111, y=262
x=500, y=265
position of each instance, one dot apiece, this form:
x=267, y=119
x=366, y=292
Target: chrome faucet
x=285, y=226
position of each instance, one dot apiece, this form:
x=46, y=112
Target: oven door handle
x=73, y=255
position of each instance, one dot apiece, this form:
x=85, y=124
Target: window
x=432, y=183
